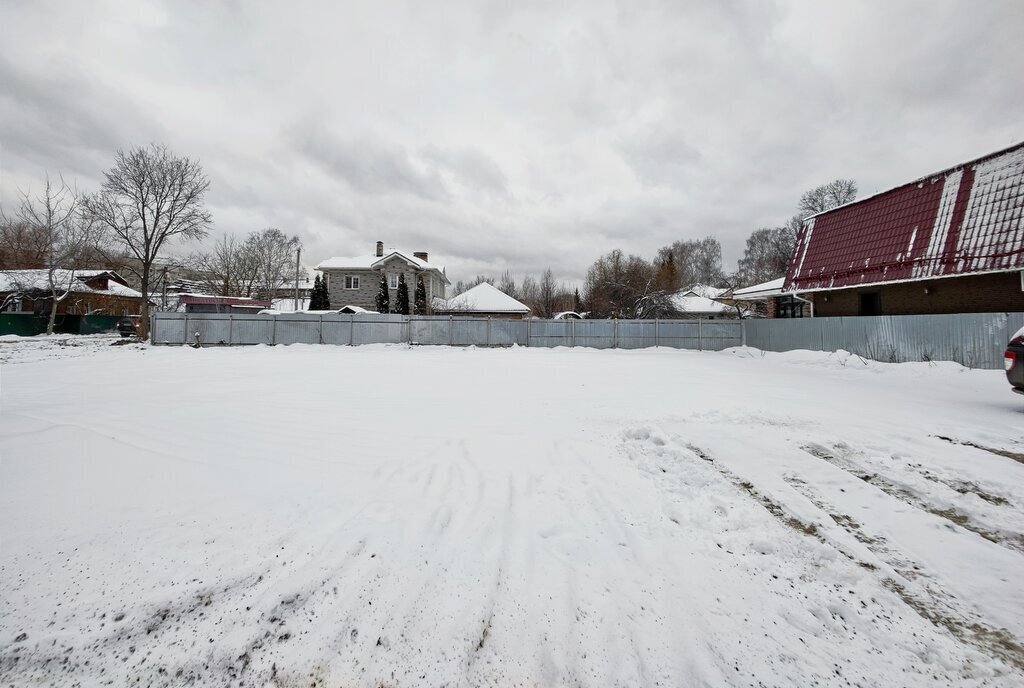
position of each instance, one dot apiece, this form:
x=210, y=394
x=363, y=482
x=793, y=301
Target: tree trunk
x=144, y=314
x=53, y=314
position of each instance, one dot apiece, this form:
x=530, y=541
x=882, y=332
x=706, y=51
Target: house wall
x=969, y=294
x=369, y=283
x=80, y=304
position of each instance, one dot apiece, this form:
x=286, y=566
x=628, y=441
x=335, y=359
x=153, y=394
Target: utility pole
x=298, y=252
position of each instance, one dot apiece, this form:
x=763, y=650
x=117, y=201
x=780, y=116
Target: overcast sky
x=542, y=135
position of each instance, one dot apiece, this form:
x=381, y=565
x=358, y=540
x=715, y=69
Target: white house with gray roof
x=354, y=281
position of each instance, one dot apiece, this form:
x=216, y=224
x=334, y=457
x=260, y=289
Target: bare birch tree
x=148, y=198
x=63, y=233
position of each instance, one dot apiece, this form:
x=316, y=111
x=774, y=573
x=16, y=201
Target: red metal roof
x=966, y=219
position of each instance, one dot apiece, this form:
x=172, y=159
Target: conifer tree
x=314, y=295
x=402, y=298
x=420, y=305
x=383, y=298
x=325, y=296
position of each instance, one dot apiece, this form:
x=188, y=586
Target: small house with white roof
x=354, y=281
x=483, y=300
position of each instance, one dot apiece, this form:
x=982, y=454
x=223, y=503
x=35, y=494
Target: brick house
x=87, y=292
x=949, y=242
x=355, y=281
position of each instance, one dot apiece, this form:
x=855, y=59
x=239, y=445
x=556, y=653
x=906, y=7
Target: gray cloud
x=500, y=136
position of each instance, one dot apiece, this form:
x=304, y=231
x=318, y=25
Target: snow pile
x=514, y=517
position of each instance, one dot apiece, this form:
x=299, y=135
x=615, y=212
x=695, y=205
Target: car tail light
x=1009, y=360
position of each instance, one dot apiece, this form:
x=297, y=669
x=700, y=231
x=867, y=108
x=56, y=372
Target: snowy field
x=395, y=516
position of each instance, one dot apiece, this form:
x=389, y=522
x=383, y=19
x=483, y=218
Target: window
x=788, y=307
x=351, y=282
x=870, y=304
x=393, y=280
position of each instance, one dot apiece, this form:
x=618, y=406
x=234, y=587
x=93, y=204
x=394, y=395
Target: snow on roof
x=483, y=298
x=760, y=291
x=72, y=280
x=370, y=261
x=705, y=290
x=567, y=315
x=685, y=302
x=966, y=219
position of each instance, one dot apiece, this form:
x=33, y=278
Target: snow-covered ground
x=399, y=516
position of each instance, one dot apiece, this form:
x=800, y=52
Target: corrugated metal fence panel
x=251, y=329
x=506, y=332
x=973, y=339
x=337, y=329
x=716, y=335
x=549, y=333
x=380, y=329
x=679, y=334
x=976, y=340
x=297, y=328
x=167, y=330
x=430, y=331
x=599, y=334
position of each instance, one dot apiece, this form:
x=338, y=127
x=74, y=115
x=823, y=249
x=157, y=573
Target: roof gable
x=963, y=220
x=483, y=298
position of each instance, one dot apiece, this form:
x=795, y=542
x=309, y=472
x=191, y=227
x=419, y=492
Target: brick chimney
x=422, y=255
x=380, y=249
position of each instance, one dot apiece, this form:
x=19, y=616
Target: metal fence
x=976, y=340
x=215, y=329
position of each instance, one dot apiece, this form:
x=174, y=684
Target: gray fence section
x=211, y=329
x=976, y=340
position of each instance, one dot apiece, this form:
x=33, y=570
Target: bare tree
x=827, y=196
x=548, y=294
x=766, y=256
x=149, y=197
x=228, y=269
x=694, y=261
x=22, y=245
x=507, y=283
x=272, y=253
x=64, y=232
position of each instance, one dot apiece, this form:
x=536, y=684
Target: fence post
x=320, y=335
x=657, y=332
x=743, y=332
x=152, y=327
x=488, y=330
x=572, y=327
x=231, y=328
x=615, y=333
x=185, y=338
x=700, y=335
x=351, y=329
x=273, y=331
x=451, y=332
x=529, y=327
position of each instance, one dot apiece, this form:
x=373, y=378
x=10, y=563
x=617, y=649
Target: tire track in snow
x=840, y=457
x=920, y=591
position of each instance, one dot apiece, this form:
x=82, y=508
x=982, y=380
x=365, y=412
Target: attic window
x=393, y=280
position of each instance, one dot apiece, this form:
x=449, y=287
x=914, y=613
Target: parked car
x=1013, y=361
x=128, y=326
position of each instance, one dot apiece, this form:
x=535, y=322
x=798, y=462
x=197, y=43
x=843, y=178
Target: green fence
x=29, y=324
